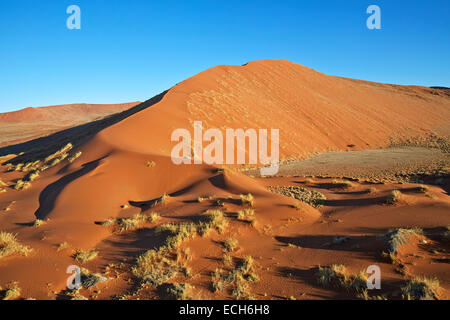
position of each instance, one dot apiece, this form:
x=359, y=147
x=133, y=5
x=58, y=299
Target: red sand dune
x=314, y=113
x=29, y=123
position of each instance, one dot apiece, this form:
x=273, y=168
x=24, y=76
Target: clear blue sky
x=131, y=50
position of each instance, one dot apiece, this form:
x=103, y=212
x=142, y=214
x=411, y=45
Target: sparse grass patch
x=84, y=256
x=10, y=245
x=311, y=197
x=125, y=224
x=155, y=267
x=343, y=184
x=421, y=288
x=151, y=164
x=237, y=278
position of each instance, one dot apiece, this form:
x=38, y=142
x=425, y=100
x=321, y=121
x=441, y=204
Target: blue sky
x=131, y=50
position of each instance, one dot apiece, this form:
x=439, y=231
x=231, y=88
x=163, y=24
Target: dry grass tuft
x=10, y=245
x=74, y=157
x=311, y=197
x=11, y=292
x=22, y=185
x=343, y=184
x=421, y=288
x=394, y=197
x=247, y=199
x=338, y=277
x=84, y=256
x=230, y=245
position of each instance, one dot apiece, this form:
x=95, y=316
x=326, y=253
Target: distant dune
x=125, y=169
x=30, y=123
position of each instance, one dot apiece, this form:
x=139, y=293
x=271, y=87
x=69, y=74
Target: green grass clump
x=421, y=288
x=10, y=245
x=84, y=256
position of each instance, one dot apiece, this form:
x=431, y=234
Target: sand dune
x=30, y=123
x=126, y=167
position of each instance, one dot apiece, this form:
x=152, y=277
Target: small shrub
x=151, y=164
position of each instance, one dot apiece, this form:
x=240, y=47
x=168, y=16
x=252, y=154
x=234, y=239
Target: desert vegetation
x=311, y=197
x=10, y=245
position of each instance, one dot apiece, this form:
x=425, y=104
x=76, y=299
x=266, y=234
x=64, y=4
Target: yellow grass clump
x=10, y=245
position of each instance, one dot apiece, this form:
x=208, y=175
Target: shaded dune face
x=314, y=113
